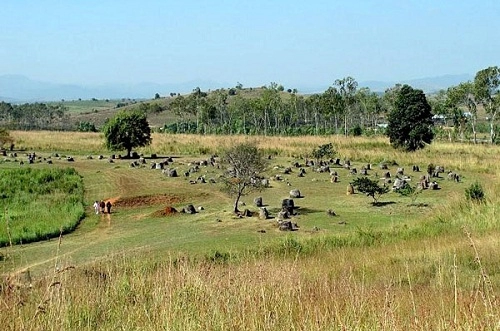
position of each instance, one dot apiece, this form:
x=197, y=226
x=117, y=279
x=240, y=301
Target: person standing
x=102, y=205
x=108, y=207
x=96, y=207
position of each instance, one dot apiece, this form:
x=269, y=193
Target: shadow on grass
x=420, y=205
x=306, y=211
x=382, y=203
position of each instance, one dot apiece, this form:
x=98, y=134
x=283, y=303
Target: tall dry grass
x=418, y=285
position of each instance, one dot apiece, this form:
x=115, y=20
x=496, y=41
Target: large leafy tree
x=410, y=121
x=244, y=163
x=127, y=130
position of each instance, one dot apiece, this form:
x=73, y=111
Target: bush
x=475, y=193
x=86, y=127
x=356, y=131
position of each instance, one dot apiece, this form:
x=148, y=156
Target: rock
x=288, y=205
x=189, y=209
x=263, y=213
x=295, y=194
x=258, y=201
x=350, y=189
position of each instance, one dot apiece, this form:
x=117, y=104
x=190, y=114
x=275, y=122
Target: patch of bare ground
x=148, y=200
x=167, y=211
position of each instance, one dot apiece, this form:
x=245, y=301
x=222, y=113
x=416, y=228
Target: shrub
x=475, y=193
x=356, y=131
x=370, y=187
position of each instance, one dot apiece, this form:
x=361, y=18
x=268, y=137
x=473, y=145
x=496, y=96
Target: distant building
x=439, y=119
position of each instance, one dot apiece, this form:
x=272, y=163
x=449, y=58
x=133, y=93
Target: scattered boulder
x=330, y=212
x=288, y=226
x=246, y=213
x=263, y=213
x=189, y=209
x=282, y=215
x=295, y=194
x=258, y=201
x=302, y=172
x=288, y=205
x=399, y=184
x=453, y=176
x=350, y=189
x=434, y=186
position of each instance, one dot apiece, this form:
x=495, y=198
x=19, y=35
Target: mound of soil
x=147, y=200
x=167, y=211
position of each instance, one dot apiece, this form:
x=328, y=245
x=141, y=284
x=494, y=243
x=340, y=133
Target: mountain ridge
x=19, y=88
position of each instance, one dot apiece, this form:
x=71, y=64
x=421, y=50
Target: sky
x=256, y=42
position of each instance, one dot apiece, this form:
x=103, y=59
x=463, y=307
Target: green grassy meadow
x=394, y=266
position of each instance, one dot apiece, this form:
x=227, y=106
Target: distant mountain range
x=17, y=88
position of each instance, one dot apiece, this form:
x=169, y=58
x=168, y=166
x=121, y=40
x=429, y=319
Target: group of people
x=102, y=207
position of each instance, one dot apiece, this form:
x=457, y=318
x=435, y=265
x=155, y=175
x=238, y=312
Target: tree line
x=33, y=116
x=273, y=111
x=343, y=108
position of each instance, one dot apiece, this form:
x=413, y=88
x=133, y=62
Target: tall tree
x=347, y=89
x=410, y=122
x=244, y=163
x=127, y=130
x=460, y=96
x=487, y=92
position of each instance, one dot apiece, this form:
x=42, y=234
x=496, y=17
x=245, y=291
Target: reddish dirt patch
x=147, y=200
x=167, y=211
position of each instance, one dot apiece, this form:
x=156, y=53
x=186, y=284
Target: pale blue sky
x=253, y=42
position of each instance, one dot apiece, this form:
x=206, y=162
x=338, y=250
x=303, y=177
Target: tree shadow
x=306, y=211
x=382, y=203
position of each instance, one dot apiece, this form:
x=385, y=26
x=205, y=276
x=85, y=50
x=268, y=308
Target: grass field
x=390, y=267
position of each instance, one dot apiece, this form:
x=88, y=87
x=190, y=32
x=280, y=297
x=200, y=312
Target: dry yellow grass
x=416, y=285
